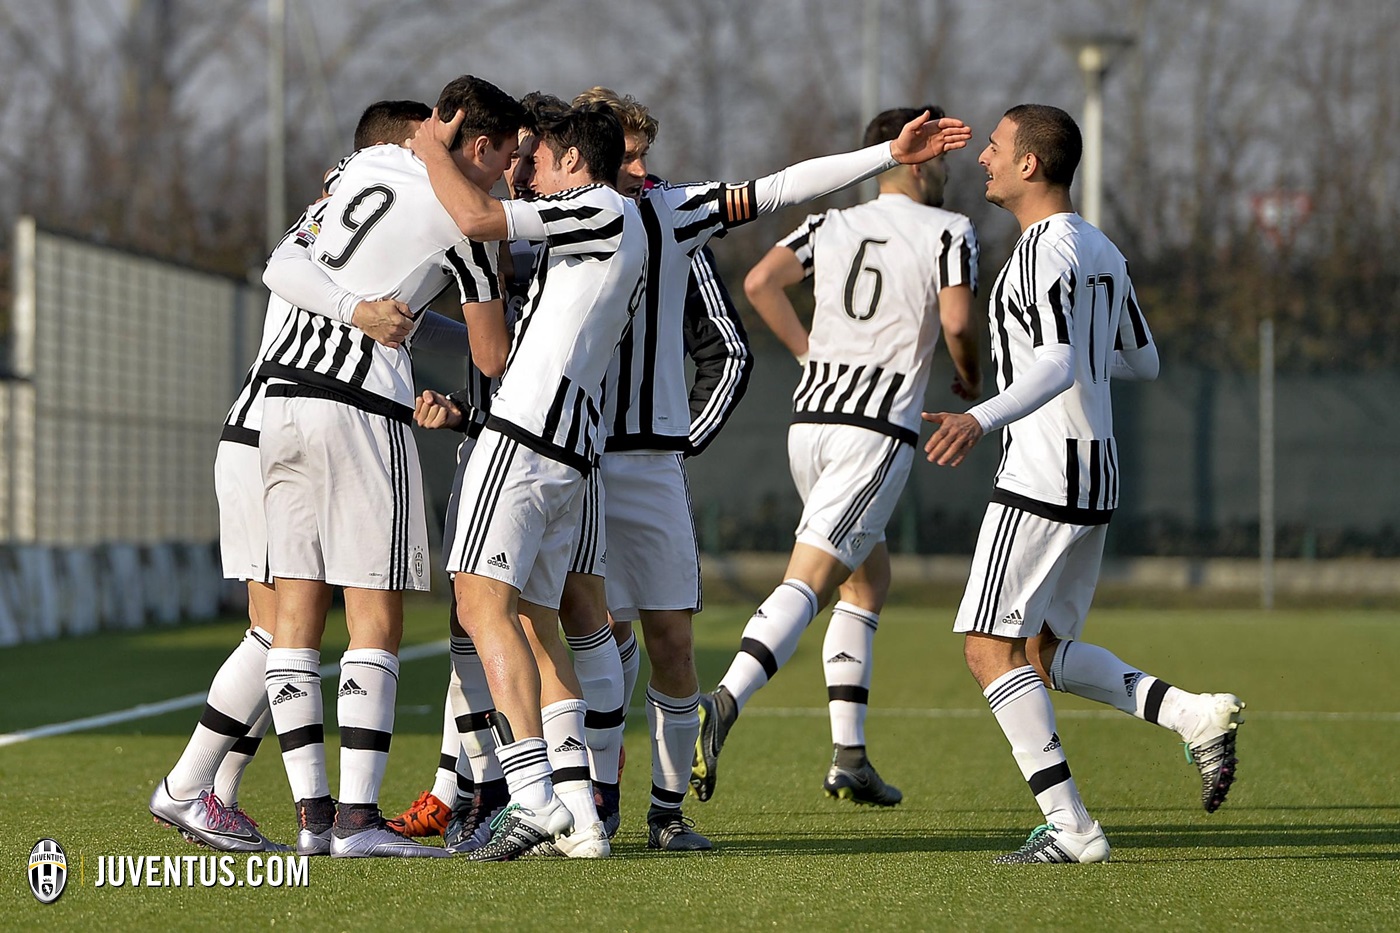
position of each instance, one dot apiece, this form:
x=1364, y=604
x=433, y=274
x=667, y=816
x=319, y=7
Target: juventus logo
x=48, y=870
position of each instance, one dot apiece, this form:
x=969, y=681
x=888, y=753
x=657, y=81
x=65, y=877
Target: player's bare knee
x=988, y=656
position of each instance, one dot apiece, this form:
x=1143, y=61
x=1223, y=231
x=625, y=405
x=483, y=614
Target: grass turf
x=1308, y=839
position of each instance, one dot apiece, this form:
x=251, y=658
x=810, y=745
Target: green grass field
x=1310, y=836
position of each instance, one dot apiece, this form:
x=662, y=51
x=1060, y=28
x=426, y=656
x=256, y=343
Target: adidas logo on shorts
x=571, y=744
x=1014, y=618
x=350, y=688
x=499, y=561
x=288, y=692
x=842, y=658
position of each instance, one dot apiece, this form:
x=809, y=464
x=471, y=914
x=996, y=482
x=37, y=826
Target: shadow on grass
x=1123, y=837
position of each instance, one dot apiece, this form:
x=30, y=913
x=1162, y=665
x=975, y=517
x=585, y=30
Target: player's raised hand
x=434, y=410
x=956, y=435
x=923, y=139
x=386, y=321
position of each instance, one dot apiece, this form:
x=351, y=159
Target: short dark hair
x=1052, y=135
x=541, y=108
x=388, y=121
x=490, y=111
x=595, y=132
x=886, y=126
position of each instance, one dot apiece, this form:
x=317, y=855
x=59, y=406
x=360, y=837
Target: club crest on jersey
x=48, y=870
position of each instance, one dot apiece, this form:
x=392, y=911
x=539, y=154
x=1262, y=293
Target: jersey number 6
x=877, y=284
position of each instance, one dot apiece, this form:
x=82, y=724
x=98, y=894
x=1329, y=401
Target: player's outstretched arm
x=766, y=285
x=920, y=140
x=476, y=213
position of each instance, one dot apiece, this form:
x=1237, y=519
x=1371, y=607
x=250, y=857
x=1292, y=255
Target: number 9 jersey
x=879, y=267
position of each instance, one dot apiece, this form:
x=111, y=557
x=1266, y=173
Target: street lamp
x=1094, y=53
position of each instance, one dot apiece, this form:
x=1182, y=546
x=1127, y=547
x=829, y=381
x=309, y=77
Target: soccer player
x=466, y=735
x=1064, y=322
x=653, y=571
x=199, y=796
x=342, y=488
x=526, y=480
x=888, y=276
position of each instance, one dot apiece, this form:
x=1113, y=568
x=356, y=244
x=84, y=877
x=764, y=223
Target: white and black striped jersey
x=383, y=233
x=648, y=401
x=877, y=268
x=1065, y=283
x=588, y=282
x=474, y=398
x=244, y=420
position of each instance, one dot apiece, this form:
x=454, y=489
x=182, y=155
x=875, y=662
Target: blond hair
x=630, y=112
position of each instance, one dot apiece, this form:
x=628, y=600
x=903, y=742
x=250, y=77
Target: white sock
x=237, y=696
x=230, y=773
x=598, y=664
x=770, y=639
x=631, y=667
x=526, y=766
x=568, y=758
x=470, y=707
x=1022, y=707
x=674, y=723
x=294, y=693
x=369, y=683
x=846, y=658
x=1097, y=674
x=445, y=778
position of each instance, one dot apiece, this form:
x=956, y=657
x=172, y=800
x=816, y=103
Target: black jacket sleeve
x=716, y=341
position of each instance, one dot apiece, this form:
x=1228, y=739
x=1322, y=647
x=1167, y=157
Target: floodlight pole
x=1094, y=54
x=870, y=83
x=1267, y=533
x=276, y=120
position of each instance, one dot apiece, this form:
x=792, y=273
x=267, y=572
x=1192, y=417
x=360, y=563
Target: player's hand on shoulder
x=923, y=139
x=434, y=410
x=387, y=321
x=957, y=434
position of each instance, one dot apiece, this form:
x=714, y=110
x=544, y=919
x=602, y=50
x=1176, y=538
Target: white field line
x=189, y=700
x=431, y=649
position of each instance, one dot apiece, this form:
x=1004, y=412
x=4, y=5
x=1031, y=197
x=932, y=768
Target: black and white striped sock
x=294, y=693
x=1022, y=707
x=237, y=698
x=674, y=723
x=846, y=656
x=568, y=758
x=770, y=639
x=598, y=664
x=369, y=684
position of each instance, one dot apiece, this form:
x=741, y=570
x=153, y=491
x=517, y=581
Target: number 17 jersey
x=878, y=268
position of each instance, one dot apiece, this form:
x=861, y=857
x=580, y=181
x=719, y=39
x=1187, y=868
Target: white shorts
x=590, y=550
x=343, y=496
x=238, y=486
x=653, y=558
x=850, y=479
x=1030, y=572
x=516, y=518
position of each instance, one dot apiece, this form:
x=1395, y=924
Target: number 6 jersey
x=879, y=267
